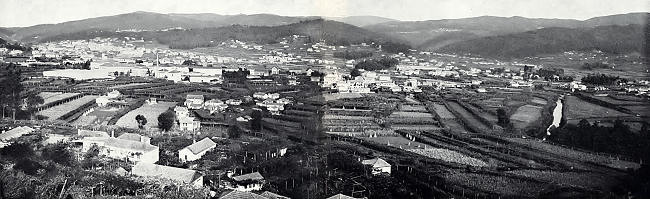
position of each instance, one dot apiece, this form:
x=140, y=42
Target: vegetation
x=602, y=79
x=141, y=120
x=381, y=64
x=353, y=54
x=166, y=120
x=13, y=93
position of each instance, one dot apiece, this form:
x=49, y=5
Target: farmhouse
x=135, y=151
x=249, y=182
x=196, y=150
x=178, y=175
x=379, y=166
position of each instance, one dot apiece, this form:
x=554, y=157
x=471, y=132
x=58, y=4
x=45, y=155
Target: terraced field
x=577, y=109
x=49, y=97
x=56, y=112
x=442, y=111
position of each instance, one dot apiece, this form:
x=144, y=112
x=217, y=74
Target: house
x=196, y=150
x=194, y=101
x=341, y=196
x=189, y=124
x=259, y=95
x=379, y=166
x=113, y=94
x=249, y=182
x=177, y=175
x=102, y=101
x=181, y=112
x=234, y=102
x=134, y=151
x=151, y=101
x=215, y=105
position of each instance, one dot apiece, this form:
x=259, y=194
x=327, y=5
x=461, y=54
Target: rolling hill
x=612, y=39
x=361, y=20
x=149, y=21
x=433, y=34
x=333, y=32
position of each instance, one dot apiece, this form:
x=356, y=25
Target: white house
x=189, y=124
x=181, y=112
x=196, y=150
x=194, y=101
x=134, y=151
x=102, y=101
x=379, y=166
x=249, y=182
x=177, y=175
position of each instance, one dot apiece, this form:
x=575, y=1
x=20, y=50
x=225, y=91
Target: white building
x=176, y=175
x=378, y=165
x=196, y=150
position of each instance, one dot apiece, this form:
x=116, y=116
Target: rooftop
x=200, y=146
x=159, y=171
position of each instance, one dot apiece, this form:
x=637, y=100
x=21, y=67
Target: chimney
x=142, y=139
x=193, y=140
x=113, y=133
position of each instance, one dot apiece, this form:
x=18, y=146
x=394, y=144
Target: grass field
x=150, y=112
x=97, y=116
x=577, y=108
x=525, y=115
x=442, y=111
x=55, y=112
x=398, y=142
x=449, y=156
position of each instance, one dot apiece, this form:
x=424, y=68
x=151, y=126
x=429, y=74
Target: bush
x=166, y=120
x=59, y=153
x=17, y=150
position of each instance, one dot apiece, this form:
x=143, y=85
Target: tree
x=503, y=119
x=186, y=78
x=234, y=131
x=59, y=153
x=141, y=121
x=86, y=65
x=17, y=150
x=355, y=72
x=166, y=120
x=256, y=122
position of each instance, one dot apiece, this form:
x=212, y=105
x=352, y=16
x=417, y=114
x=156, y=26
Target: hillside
x=149, y=21
x=432, y=34
x=361, y=20
x=332, y=32
x=612, y=39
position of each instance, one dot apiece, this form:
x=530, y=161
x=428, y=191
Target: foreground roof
x=341, y=196
x=241, y=195
x=159, y=171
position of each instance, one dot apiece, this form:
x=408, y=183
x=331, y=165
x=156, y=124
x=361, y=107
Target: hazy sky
x=32, y=12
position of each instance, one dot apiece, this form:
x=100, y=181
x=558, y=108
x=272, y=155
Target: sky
x=21, y=13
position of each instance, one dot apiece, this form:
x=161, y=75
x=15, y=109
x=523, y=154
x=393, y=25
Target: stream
x=557, y=116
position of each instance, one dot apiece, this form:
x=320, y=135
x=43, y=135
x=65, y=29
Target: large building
x=134, y=148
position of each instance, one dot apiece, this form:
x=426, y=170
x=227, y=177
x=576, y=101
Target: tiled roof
x=341, y=196
x=16, y=132
x=249, y=176
x=200, y=146
x=376, y=162
x=159, y=171
x=89, y=133
x=271, y=195
x=241, y=195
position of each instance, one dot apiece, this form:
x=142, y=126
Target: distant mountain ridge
x=612, y=39
x=425, y=34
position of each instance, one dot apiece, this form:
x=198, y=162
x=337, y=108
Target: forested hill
x=612, y=39
x=335, y=33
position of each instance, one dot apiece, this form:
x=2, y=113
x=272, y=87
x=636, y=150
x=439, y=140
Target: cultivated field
x=55, y=112
x=449, y=156
x=150, y=112
x=577, y=108
x=97, y=116
x=525, y=115
x=442, y=111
